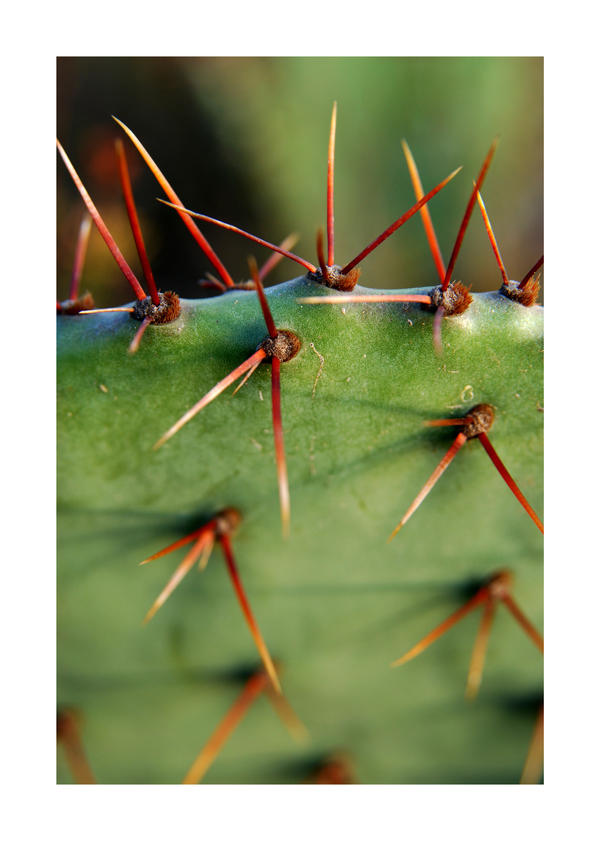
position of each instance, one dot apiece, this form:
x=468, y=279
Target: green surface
x=335, y=602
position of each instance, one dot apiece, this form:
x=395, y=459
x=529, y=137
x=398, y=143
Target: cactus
x=335, y=603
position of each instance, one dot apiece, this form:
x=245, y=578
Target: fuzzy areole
x=500, y=584
x=455, y=299
x=227, y=522
x=284, y=346
x=336, y=279
x=526, y=295
x=168, y=309
x=482, y=418
x=74, y=306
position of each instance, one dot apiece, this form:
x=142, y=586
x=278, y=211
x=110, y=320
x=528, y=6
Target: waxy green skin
x=335, y=602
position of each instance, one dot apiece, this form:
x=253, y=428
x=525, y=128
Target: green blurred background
x=245, y=140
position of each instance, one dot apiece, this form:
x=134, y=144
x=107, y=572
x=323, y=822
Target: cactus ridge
x=378, y=383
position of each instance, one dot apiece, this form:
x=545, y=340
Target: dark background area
x=245, y=140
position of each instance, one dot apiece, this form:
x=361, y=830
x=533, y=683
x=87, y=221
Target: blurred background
x=245, y=140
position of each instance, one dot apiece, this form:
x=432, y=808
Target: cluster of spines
x=475, y=424
x=155, y=308
x=497, y=589
x=450, y=298
x=220, y=529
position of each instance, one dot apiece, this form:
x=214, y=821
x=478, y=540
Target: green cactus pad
x=336, y=602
